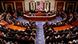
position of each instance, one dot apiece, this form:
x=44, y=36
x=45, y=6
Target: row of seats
x=19, y=37
x=11, y=19
x=67, y=36
x=11, y=36
x=28, y=36
x=66, y=19
x=62, y=37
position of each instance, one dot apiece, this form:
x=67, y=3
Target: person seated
x=33, y=33
x=19, y=12
x=31, y=39
x=17, y=23
x=39, y=14
x=47, y=39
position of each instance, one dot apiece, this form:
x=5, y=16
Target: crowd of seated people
x=75, y=16
x=66, y=19
x=48, y=26
x=58, y=23
x=67, y=36
x=11, y=19
x=70, y=18
x=62, y=37
x=28, y=36
x=8, y=36
x=39, y=13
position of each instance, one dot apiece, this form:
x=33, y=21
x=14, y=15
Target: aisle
x=20, y=19
x=40, y=33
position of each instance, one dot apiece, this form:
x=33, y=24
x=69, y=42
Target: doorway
x=70, y=6
x=9, y=7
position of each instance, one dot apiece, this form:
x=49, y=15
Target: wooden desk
x=39, y=18
x=3, y=23
x=75, y=23
x=59, y=28
x=16, y=27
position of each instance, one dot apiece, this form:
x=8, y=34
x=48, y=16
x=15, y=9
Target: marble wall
x=52, y=5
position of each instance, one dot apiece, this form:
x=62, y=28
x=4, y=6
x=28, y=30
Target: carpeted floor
x=40, y=33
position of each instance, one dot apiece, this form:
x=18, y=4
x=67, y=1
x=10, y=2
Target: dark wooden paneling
x=70, y=6
x=76, y=7
x=66, y=0
x=0, y=7
x=19, y=6
x=59, y=0
x=11, y=0
x=60, y=6
x=8, y=3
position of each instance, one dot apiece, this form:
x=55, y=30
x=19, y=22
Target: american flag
x=40, y=6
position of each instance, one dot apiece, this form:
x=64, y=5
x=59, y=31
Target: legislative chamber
x=38, y=22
